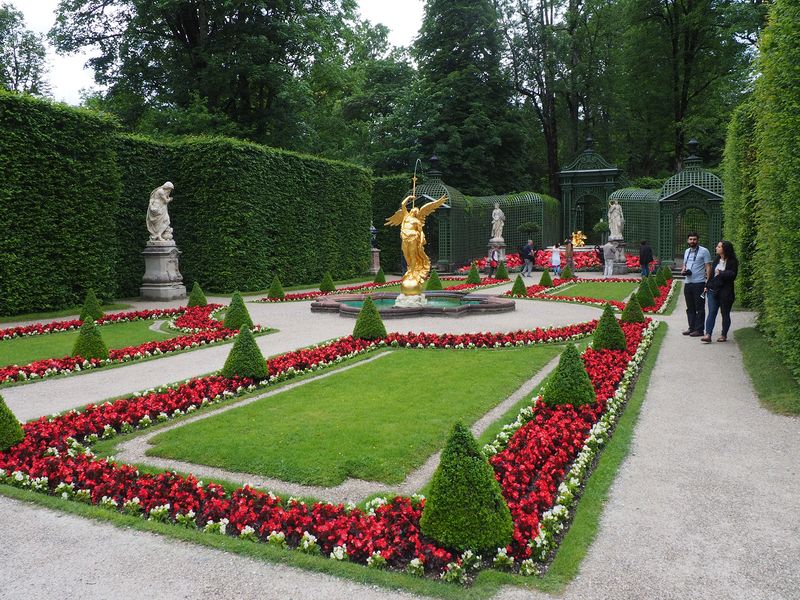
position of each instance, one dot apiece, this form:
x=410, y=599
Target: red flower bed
x=540, y=292
x=583, y=261
x=529, y=469
x=202, y=327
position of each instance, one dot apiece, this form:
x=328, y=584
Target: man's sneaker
x=696, y=334
x=687, y=332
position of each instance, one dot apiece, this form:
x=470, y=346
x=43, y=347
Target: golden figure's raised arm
x=397, y=218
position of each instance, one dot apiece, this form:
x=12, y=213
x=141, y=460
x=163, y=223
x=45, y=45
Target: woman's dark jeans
x=715, y=306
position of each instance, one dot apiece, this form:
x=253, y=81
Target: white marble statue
x=157, y=214
x=498, y=220
x=616, y=221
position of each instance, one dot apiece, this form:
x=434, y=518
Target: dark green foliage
x=276, y=289
x=473, y=277
x=387, y=192
x=661, y=276
x=570, y=383
x=245, y=358
x=778, y=181
x=369, y=325
x=59, y=189
x=644, y=295
x=567, y=273
x=632, y=313
x=91, y=307
x=651, y=283
x=326, y=285
x=667, y=273
x=740, y=203
x=10, y=430
x=465, y=508
x=609, y=334
x=197, y=297
x=90, y=343
x=379, y=277
x=237, y=316
x=434, y=283
x=519, y=289
x=546, y=280
x=502, y=272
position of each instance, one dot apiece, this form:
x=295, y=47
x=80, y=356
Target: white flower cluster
x=308, y=544
x=277, y=538
x=416, y=567
x=212, y=527
x=376, y=561
x=159, y=513
x=339, y=552
x=248, y=533
x=671, y=291
x=502, y=560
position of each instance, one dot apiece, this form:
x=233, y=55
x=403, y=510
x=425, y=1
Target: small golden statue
x=578, y=238
x=411, y=223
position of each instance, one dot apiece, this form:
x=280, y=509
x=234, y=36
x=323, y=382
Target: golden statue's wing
x=397, y=218
x=430, y=207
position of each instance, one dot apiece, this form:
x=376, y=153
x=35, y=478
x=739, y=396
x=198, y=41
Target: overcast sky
x=68, y=77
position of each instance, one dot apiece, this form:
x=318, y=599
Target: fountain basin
x=440, y=303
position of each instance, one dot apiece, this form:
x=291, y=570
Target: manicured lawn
x=776, y=388
x=376, y=422
x=23, y=350
x=616, y=290
x=64, y=312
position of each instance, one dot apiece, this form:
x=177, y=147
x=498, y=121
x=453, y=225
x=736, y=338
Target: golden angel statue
x=578, y=238
x=411, y=223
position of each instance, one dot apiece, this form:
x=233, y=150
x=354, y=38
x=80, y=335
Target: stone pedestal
x=404, y=301
x=375, y=265
x=620, y=263
x=162, y=277
x=500, y=246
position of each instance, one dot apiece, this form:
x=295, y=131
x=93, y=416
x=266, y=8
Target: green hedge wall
x=387, y=192
x=739, y=171
x=778, y=180
x=74, y=194
x=59, y=187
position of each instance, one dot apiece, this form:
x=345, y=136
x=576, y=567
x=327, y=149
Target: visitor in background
x=569, y=256
x=598, y=252
x=555, y=260
x=608, y=256
x=527, y=256
x=697, y=270
x=645, y=257
x=719, y=290
x=491, y=264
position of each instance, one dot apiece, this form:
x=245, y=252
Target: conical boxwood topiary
x=465, y=508
x=502, y=272
x=519, y=288
x=11, y=432
x=327, y=284
x=661, y=276
x=237, y=315
x=608, y=334
x=434, y=283
x=276, y=289
x=369, y=325
x=651, y=282
x=90, y=343
x=570, y=383
x=667, y=273
x=473, y=277
x=567, y=273
x=380, y=277
x=644, y=295
x=91, y=307
x=245, y=358
x=197, y=297
x=633, y=311
x=546, y=280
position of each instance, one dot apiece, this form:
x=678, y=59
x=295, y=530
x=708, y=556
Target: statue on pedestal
x=616, y=221
x=498, y=220
x=157, y=214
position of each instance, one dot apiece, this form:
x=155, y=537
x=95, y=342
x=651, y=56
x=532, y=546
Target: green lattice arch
x=641, y=208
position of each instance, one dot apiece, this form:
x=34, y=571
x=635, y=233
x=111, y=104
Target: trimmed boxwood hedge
x=11, y=432
x=91, y=307
x=546, y=280
x=369, y=325
x=608, y=334
x=74, y=196
x=387, y=192
x=237, y=316
x=59, y=192
x=197, y=297
x=519, y=288
x=89, y=343
x=570, y=383
x=245, y=358
x=434, y=283
x=465, y=508
x=473, y=277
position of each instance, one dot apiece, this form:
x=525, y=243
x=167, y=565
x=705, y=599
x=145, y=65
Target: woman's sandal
x=706, y=339
x=722, y=338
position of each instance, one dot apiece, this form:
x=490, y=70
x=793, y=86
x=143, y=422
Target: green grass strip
x=563, y=570
x=604, y=290
x=72, y=311
x=777, y=389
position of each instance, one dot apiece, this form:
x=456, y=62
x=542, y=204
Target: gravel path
x=705, y=506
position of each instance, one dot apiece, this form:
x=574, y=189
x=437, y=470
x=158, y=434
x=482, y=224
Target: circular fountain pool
x=444, y=303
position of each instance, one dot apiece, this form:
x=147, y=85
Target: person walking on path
x=527, y=256
x=697, y=270
x=555, y=260
x=719, y=290
x=492, y=263
x=608, y=255
x=645, y=257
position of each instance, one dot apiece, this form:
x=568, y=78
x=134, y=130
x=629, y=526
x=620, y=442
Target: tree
x=23, y=59
x=474, y=128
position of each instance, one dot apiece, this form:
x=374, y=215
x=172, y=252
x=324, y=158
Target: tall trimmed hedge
x=59, y=191
x=739, y=206
x=74, y=194
x=387, y=192
x=776, y=265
